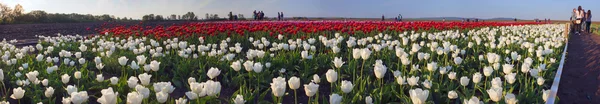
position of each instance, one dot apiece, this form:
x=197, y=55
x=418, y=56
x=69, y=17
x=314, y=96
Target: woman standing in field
x=588, y=20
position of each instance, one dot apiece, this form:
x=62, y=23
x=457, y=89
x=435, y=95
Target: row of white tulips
x=474, y=66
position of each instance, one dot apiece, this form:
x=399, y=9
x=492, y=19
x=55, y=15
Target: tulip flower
x=79, y=97
x=418, y=96
x=338, y=62
x=510, y=98
x=477, y=77
x=331, y=76
x=452, y=95
x=114, y=80
x=144, y=78
x=213, y=72
x=65, y=78
x=335, y=99
x=413, y=81
x=154, y=65
x=236, y=65
x=123, y=60
x=49, y=92
x=108, y=96
x=464, y=81
x=239, y=99
x=134, y=98
x=18, y=93
x=162, y=96
x=311, y=89
x=99, y=78
x=368, y=100
x=143, y=91
x=379, y=69
x=132, y=82
x=316, y=79
x=495, y=93
x=473, y=100
x=346, y=86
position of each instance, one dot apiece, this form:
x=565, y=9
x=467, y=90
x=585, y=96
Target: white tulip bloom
x=452, y=95
x=311, y=89
x=495, y=93
x=213, y=72
x=294, y=83
x=331, y=75
x=278, y=86
x=335, y=99
x=346, y=86
x=18, y=93
x=464, y=81
x=123, y=60
x=418, y=96
x=49, y=92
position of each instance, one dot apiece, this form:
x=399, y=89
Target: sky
x=522, y=9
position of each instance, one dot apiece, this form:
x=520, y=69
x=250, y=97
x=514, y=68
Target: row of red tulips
x=291, y=27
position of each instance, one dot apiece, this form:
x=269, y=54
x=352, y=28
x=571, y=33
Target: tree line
x=189, y=16
x=16, y=15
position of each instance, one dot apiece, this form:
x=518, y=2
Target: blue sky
x=522, y=9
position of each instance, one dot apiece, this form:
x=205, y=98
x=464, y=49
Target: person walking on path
x=282, y=16
x=573, y=19
x=578, y=21
x=588, y=21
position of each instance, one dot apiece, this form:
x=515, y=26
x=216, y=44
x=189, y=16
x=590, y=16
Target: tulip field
x=308, y=62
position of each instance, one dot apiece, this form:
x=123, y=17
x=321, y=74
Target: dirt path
x=580, y=82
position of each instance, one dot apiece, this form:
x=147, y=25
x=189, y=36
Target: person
x=254, y=15
x=515, y=19
x=230, y=15
x=583, y=24
x=573, y=19
x=382, y=18
x=444, y=20
x=278, y=16
x=578, y=20
x=588, y=20
x=282, y=16
x=400, y=17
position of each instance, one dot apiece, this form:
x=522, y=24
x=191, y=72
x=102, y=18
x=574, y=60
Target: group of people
x=581, y=20
x=280, y=16
x=260, y=15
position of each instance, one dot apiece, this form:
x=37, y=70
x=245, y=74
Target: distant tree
x=6, y=14
x=241, y=17
x=173, y=17
x=207, y=16
x=189, y=16
x=159, y=18
x=18, y=10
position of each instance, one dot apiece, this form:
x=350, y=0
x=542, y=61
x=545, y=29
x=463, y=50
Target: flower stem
x=295, y=97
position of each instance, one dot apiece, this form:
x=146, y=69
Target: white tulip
x=18, y=93
x=191, y=95
x=71, y=89
x=163, y=86
x=510, y=98
x=123, y=60
x=145, y=78
x=134, y=65
x=452, y=75
x=497, y=82
x=213, y=72
x=427, y=84
x=239, y=99
x=477, y=77
x=49, y=92
x=418, y=96
x=79, y=97
x=487, y=71
x=335, y=99
x=368, y=100
x=379, y=69
x=44, y=82
x=311, y=89
x=356, y=53
x=132, y=82
x=507, y=68
x=162, y=97
x=248, y=65
x=458, y=60
x=65, y=78
x=365, y=54
x=473, y=100
x=236, y=65
x=143, y=91
x=540, y=81
x=316, y=78
x=452, y=95
x=278, y=86
x=495, y=93
x=294, y=83
x=432, y=66
x=257, y=67
x=400, y=80
x=181, y=101
x=141, y=59
x=337, y=61
x=114, y=80
x=108, y=96
x=546, y=95
x=154, y=65
x=99, y=78
x=346, y=86
x=413, y=81
x=331, y=76
x=464, y=81
x=77, y=75
x=510, y=78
